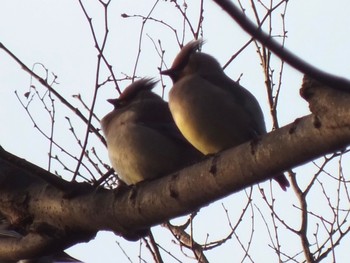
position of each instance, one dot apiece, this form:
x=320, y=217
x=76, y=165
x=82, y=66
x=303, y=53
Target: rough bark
x=53, y=214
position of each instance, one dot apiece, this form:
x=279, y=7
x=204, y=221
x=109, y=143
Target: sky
x=57, y=35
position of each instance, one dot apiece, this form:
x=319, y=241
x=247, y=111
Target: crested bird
x=212, y=111
x=142, y=139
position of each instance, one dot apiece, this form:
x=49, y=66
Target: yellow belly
x=194, y=133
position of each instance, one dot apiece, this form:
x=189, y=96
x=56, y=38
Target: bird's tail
x=282, y=181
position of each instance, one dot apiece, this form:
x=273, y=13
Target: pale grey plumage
x=212, y=111
x=142, y=138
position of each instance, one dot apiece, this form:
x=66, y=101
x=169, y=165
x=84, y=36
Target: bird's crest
x=182, y=58
x=140, y=85
x=144, y=84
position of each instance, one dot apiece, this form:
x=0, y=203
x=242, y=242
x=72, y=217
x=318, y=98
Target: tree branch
x=280, y=51
x=41, y=203
x=55, y=93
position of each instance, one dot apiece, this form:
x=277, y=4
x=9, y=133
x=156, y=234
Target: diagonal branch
x=39, y=202
x=54, y=92
x=284, y=54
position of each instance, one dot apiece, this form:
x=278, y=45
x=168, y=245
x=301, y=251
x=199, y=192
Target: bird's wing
x=248, y=102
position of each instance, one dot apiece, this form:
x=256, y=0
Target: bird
x=212, y=111
x=142, y=138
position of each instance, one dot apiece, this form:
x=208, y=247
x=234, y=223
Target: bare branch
x=60, y=97
x=282, y=53
x=82, y=208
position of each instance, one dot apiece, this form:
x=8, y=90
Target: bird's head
x=190, y=61
x=139, y=89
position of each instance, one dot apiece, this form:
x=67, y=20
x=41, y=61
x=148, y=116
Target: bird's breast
x=209, y=117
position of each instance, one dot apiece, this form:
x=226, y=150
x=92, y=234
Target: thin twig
x=290, y=58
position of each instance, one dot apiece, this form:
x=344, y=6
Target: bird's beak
x=113, y=101
x=116, y=103
x=167, y=72
x=173, y=73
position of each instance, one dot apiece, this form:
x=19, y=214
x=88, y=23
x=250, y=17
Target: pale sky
x=56, y=34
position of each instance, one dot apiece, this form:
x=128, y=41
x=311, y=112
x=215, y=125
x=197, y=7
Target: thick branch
x=34, y=198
